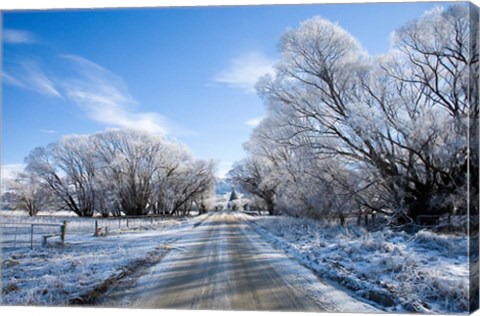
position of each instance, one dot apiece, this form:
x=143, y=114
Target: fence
x=31, y=234
x=103, y=226
x=22, y=231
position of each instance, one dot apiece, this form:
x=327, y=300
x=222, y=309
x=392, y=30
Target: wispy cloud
x=13, y=36
x=106, y=99
x=244, y=71
x=9, y=79
x=254, y=121
x=28, y=74
x=41, y=81
x=100, y=93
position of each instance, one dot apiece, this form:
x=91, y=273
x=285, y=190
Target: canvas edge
x=473, y=163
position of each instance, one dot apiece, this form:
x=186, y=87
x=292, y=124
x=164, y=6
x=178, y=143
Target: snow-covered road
x=223, y=264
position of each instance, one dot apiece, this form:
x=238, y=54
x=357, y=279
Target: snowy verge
x=57, y=275
x=423, y=272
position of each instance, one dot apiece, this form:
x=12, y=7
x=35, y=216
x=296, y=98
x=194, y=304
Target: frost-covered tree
x=28, y=194
x=66, y=169
x=254, y=176
x=310, y=102
x=74, y=156
x=164, y=193
x=193, y=184
x=151, y=174
x=128, y=161
x=345, y=130
x=424, y=99
x=122, y=171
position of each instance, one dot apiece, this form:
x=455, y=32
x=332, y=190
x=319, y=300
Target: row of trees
x=114, y=172
x=345, y=131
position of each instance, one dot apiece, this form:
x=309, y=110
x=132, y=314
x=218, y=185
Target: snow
x=22, y=213
x=400, y=272
x=392, y=270
x=330, y=297
x=57, y=274
x=215, y=273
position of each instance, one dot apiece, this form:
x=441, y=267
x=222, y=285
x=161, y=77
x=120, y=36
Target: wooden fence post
x=63, y=231
x=31, y=237
x=95, y=234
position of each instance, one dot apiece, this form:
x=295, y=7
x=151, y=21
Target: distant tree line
x=112, y=173
x=346, y=131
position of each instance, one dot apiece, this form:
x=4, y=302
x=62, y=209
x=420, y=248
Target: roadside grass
x=423, y=272
x=61, y=275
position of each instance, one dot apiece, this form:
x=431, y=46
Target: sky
x=187, y=73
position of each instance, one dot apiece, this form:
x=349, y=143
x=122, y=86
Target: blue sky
x=184, y=72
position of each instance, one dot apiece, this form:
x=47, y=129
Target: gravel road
x=223, y=264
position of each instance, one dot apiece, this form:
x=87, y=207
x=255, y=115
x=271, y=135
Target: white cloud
x=41, y=82
x=254, y=121
x=29, y=75
x=106, y=99
x=9, y=171
x=12, y=36
x=102, y=94
x=9, y=79
x=245, y=70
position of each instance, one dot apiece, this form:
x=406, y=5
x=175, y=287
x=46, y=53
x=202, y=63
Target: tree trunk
x=270, y=206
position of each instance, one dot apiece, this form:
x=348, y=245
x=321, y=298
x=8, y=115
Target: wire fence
x=32, y=232
x=446, y=223
x=30, y=235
